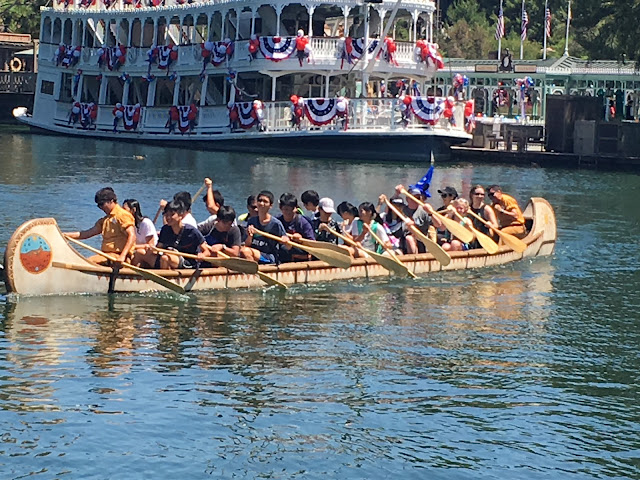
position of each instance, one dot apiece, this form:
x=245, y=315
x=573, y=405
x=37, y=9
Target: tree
x=21, y=16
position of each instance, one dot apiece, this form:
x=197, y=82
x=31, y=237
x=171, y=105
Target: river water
x=527, y=371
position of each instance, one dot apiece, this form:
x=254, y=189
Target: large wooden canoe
x=39, y=261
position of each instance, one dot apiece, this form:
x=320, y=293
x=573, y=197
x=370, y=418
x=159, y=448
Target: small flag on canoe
x=424, y=182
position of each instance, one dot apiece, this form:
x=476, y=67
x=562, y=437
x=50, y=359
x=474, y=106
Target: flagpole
x=566, y=39
x=500, y=36
x=544, y=47
x=521, y=26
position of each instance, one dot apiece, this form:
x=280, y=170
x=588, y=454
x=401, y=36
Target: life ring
x=15, y=64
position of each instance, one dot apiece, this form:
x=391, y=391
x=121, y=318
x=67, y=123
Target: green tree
x=21, y=16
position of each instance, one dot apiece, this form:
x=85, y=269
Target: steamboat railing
x=325, y=56
x=372, y=114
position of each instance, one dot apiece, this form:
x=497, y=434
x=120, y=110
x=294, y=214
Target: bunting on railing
x=246, y=114
x=353, y=49
x=112, y=57
x=184, y=116
x=427, y=109
x=67, y=55
x=277, y=48
x=131, y=116
x=428, y=53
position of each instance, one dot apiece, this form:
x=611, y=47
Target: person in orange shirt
x=117, y=228
x=507, y=211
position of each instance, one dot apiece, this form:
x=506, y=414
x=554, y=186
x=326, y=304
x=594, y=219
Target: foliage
x=21, y=16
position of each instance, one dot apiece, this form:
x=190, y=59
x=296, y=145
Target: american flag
x=500, y=25
x=547, y=22
x=525, y=22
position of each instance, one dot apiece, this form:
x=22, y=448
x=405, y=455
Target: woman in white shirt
x=369, y=216
x=146, y=233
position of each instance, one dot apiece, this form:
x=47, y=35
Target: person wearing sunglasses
x=118, y=228
x=484, y=211
x=507, y=211
x=448, y=195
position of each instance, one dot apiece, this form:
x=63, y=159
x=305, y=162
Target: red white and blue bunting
x=167, y=54
x=112, y=57
x=131, y=116
x=428, y=53
x=184, y=116
x=277, y=48
x=322, y=111
x=67, y=55
x=246, y=114
x=427, y=109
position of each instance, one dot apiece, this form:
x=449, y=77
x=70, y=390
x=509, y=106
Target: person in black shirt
x=224, y=236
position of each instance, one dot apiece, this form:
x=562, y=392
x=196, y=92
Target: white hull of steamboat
x=39, y=261
x=201, y=60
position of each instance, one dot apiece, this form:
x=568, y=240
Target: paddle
x=142, y=271
x=263, y=276
x=386, y=262
x=484, y=240
x=464, y=235
x=236, y=264
x=388, y=250
x=514, y=242
x=432, y=247
x=327, y=245
x=334, y=259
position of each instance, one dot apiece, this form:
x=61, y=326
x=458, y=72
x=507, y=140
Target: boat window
x=67, y=32
x=138, y=91
x=46, y=87
x=57, y=32
x=202, y=28
x=190, y=90
x=46, y=30
x=123, y=32
x=147, y=35
x=215, y=86
x=65, y=88
x=78, y=33
x=164, y=92
x=115, y=86
x=90, y=89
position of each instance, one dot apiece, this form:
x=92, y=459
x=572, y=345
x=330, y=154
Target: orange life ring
x=15, y=64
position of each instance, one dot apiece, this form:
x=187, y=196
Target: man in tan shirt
x=507, y=211
x=117, y=228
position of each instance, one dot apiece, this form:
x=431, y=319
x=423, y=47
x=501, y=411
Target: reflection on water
x=524, y=371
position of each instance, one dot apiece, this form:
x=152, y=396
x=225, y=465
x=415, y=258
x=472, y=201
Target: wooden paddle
x=326, y=245
x=432, y=247
x=464, y=235
x=236, y=264
x=334, y=259
x=263, y=276
x=388, y=250
x=142, y=271
x=513, y=242
x=484, y=240
x=386, y=262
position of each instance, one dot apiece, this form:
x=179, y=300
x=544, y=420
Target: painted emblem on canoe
x=35, y=254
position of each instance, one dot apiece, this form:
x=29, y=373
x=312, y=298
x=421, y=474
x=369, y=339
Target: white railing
x=325, y=55
x=364, y=114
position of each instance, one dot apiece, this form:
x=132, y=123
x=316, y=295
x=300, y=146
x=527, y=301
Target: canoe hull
x=38, y=261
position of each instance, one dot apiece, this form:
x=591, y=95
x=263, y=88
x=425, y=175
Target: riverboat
x=331, y=79
x=39, y=261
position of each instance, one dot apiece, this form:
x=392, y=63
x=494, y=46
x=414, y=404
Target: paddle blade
x=157, y=279
x=270, y=280
x=432, y=247
x=334, y=259
x=236, y=264
x=326, y=245
x=487, y=243
x=459, y=231
x=512, y=242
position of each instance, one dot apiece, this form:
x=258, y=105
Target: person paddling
x=507, y=211
x=369, y=216
x=117, y=228
x=297, y=227
x=258, y=248
x=484, y=211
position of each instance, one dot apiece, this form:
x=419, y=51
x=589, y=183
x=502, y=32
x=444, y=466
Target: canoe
x=39, y=261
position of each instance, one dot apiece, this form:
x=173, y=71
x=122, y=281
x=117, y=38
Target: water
x=524, y=371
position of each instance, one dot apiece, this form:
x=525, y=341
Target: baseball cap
x=326, y=204
x=449, y=191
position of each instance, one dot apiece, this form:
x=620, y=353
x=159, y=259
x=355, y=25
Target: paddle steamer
x=39, y=261
x=316, y=78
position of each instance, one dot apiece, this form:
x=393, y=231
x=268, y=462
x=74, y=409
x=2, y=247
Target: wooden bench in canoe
x=39, y=261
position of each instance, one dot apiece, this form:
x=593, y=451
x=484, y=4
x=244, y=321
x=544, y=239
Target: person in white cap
x=325, y=211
